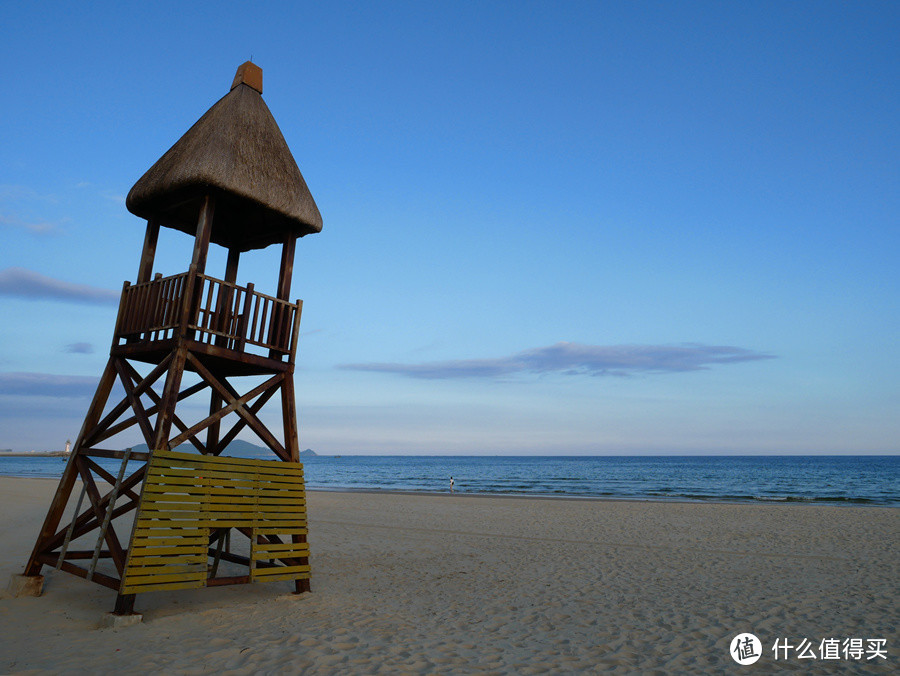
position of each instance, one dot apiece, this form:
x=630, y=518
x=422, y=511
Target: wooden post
x=231, y=266
x=286, y=271
x=169, y=398
x=145, y=270
x=204, y=229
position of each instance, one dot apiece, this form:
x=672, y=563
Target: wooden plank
x=180, y=533
x=184, y=571
x=282, y=531
x=188, y=477
x=167, y=497
x=216, y=460
x=283, y=576
x=99, y=578
x=281, y=547
x=290, y=553
x=171, y=586
x=268, y=511
x=172, y=542
x=278, y=570
x=143, y=561
x=276, y=523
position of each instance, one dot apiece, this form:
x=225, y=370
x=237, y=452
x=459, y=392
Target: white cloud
x=576, y=358
x=22, y=283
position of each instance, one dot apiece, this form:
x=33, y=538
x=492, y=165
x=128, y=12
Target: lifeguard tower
x=164, y=519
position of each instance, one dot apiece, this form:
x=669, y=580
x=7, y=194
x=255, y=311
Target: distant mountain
x=236, y=449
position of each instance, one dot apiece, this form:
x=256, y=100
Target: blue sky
x=552, y=228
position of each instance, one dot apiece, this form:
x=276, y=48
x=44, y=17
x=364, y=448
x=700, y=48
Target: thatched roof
x=237, y=153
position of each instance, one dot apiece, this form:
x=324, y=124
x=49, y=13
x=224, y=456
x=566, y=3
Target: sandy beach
x=461, y=584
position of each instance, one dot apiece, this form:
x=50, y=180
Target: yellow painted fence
x=187, y=496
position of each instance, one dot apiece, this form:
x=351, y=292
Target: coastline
x=463, y=584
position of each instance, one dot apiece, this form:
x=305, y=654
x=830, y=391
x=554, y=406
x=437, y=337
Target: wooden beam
x=84, y=521
x=241, y=423
x=286, y=271
x=204, y=229
x=113, y=415
x=145, y=270
x=99, y=578
x=109, y=478
x=112, y=540
x=238, y=403
x=231, y=265
x=289, y=418
x=125, y=424
x=175, y=419
x=58, y=504
x=169, y=398
x=135, y=401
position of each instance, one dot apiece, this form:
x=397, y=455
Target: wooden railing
x=207, y=310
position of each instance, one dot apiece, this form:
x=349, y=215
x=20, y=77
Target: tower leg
x=124, y=604
x=58, y=505
x=169, y=398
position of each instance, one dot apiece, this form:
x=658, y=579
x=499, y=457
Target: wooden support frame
x=141, y=406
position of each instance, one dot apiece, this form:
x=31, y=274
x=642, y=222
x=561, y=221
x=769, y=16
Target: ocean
x=847, y=480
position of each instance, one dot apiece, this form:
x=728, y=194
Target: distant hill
x=236, y=449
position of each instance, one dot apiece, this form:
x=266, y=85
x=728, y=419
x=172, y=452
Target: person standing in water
x=452, y=483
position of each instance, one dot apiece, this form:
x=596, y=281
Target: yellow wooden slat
x=193, y=570
x=175, y=456
x=168, y=496
x=171, y=586
x=287, y=554
x=280, y=546
x=174, y=577
x=281, y=531
x=143, y=543
x=278, y=570
x=194, y=534
x=277, y=508
x=193, y=477
x=271, y=524
x=281, y=577
x=142, y=561
x=138, y=550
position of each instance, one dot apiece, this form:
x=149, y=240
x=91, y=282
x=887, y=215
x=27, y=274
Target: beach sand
x=462, y=584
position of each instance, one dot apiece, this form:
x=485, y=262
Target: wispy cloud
x=22, y=283
x=34, y=227
x=575, y=359
x=46, y=385
x=113, y=197
x=10, y=192
x=79, y=348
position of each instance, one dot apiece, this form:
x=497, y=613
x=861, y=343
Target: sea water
x=851, y=480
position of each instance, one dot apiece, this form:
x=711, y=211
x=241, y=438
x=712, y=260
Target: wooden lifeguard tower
x=232, y=181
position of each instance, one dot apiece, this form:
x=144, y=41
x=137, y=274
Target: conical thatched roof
x=237, y=153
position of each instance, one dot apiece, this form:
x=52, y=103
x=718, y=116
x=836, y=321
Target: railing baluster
x=245, y=318
x=261, y=335
x=210, y=315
